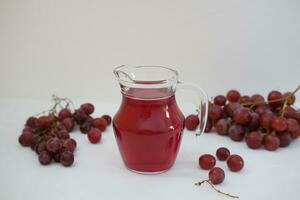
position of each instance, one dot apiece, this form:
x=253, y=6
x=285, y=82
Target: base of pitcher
x=148, y=173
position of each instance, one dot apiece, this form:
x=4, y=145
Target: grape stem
x=217, y=190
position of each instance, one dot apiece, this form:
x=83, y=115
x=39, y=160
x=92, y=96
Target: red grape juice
x=148, y=133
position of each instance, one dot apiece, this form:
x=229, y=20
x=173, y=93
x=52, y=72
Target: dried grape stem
x=217, y=190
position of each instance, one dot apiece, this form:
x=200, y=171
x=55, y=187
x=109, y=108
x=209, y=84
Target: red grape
x=231, y=107
x=214, y=112
x=235, y=163
x=80, y=116
x=292, y=125
x=88, y=108
x=279, y=124
x=66, y=158
x=191, y=122
x=275, y=95
x=99, y=123
x=94, y=135
x=291, y=98
x=233, y=96
x=222, y=153
x=45, y=158
x=236, y=132
x=216, y=175
x=271, y=142
x=54, y=145
x=25, y=138
x=63, y=134
x=242, y=116
x=44, y=122
x=220, y=100
x=41, y=147
x=263, y=109
x=290, y=112
x=221, y=126
x=64, y=113
x=254, y=122
x=295, y=134
x=254, y=140
x=68, y=123
x=31, y=122
x=85, y=127
x=266, y=120
x=284, y=138
x=107, y=118
x=257, y=99
x=69, y=145
x=245, y=99
x=207, y=161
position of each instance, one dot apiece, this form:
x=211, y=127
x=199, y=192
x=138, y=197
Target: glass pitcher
x=148, y=125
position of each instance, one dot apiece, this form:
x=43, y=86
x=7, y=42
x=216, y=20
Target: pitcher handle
x=203, y=104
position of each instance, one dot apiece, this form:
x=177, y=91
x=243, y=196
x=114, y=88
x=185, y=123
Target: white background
x=70, y=48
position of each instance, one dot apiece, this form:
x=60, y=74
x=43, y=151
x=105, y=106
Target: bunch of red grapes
x=270, y=123
x=49, y=135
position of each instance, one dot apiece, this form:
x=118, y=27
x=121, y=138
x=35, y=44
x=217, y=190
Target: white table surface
x=98, y=171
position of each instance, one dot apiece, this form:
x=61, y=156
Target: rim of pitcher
x=167, y=80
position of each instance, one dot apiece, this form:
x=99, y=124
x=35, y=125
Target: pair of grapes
x=49, y=135
x=216, y=175
x=272, y=124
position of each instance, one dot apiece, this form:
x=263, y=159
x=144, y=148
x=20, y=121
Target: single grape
x=220, y=100
x=25, y=138
x=88, y=108
x=191, y=122
x=290, y=112
x=80, y=116
x=257, y=99
x=279, y=124
x=44, y=122
x=85, y=127
x=94, y=135
x=31, y=122
x=263, y=109
x=285, y=139
x=235, y=163
x=242, y=116
x=68, y=123
x=266, y=120
x=54, y=145
x=63, y=134
x=60, y=126
x=236, y=132
x=45, y=157
x=101, y=124
x=221, y=126
x=208, y=126
x=216, y=175
x=254, y=140
x=291, y=98
x=231, y=107
x=292, y=125
x=273, y=96
x=207, y=161
x=222, y=153
x=41, y=147
x=214, y=112
x=245, y=99
x=34, y=142
x=69, y=145
x=233, y=96
x=295, y=134
x=64, y=113
x=27, y=128
x=254, y=122
x=56, y=157
x=66, y=158
x=271, y=142
x=107, y=118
